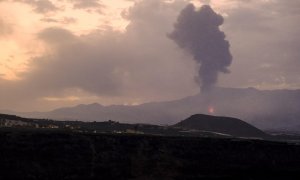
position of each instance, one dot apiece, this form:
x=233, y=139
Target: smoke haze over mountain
x=277, y=109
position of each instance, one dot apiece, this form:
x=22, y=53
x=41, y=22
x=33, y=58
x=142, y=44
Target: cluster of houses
x=9, y=121
x=13, y=123
x=19, y=123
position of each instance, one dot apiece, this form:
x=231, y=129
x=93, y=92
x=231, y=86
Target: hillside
x=268, y=110
x=196, y=125
x=224, y=125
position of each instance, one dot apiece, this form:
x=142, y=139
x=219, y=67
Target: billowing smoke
x=197, y=31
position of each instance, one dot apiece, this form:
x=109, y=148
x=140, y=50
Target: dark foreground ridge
x=225, y=125
x=197, y=125
x=52, y=154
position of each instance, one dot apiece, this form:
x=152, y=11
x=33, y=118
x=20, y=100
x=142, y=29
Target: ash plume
x=197, y=32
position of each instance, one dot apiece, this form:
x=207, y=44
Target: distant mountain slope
x=277, y=109
x=225, y=125
x=10, y=117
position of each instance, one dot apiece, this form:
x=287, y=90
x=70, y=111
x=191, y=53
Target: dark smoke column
x=198, y=33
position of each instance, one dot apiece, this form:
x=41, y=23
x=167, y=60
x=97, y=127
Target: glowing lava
x=211, y=110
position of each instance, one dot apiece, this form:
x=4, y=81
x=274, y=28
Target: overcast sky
x=58, y=53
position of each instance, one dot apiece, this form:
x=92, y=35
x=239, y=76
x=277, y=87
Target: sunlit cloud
x=69, y=98
x=87, y=4
x=40, y=6
x=64, y=20
x=126, y=45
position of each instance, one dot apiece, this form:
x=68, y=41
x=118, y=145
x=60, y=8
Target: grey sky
x=142, y=64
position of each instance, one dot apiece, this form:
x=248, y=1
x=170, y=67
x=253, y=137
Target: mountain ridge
x=265, y=109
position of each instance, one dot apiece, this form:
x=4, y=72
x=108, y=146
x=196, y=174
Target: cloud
x=88, y=4
x=56, y=35
x=284, y=8
x=65, y=20
x=263, y=32
x=77, y=62
x=40, y=6
x=5, y=28
x=140, y=64
x=143, y=65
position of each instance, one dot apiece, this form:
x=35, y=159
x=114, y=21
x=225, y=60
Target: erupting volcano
x=198, y=33
x=211, y=110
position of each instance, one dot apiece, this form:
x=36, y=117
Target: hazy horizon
x=147, y=102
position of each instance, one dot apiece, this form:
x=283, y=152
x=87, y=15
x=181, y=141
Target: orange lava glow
x=211, y=110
